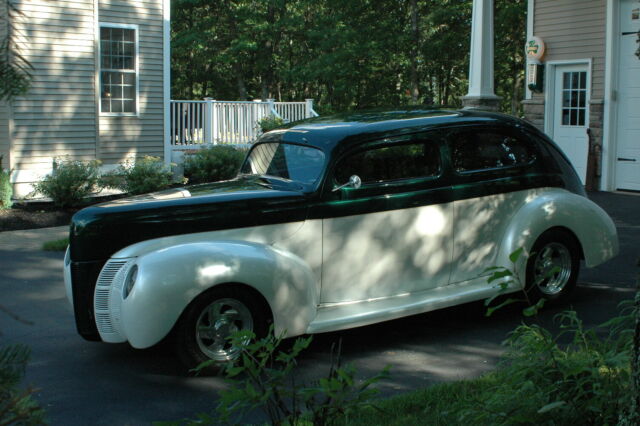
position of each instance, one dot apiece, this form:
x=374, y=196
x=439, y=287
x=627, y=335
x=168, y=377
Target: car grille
x=107, y=300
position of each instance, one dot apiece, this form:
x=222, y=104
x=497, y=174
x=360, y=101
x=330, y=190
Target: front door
x=628, y=117
x=571, y=114
x=393, y=235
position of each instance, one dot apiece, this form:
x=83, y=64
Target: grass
x=440, y=404
x=56, y=245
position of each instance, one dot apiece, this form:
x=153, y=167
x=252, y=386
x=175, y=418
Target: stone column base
x=485, y=103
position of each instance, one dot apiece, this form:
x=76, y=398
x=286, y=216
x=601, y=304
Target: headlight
x=129, y=281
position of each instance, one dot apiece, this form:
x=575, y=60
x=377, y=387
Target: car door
x=393, y=235
x=494, y=171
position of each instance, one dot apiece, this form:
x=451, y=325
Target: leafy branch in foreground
x=263, y=378
x=505, y=279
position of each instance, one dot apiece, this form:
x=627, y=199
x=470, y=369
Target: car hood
x=236, y=203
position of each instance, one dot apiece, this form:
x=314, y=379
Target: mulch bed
x=31, y=217
x=41, y=214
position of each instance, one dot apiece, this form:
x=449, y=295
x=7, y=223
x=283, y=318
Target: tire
x=206, y=324
x=556, y=249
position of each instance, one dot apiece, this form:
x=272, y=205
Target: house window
x=574, y=98
x=118, y=69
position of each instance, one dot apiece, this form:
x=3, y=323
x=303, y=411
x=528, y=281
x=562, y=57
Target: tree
x=346, y=55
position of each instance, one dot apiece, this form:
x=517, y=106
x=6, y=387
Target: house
x=100, y=85
x=590, y=89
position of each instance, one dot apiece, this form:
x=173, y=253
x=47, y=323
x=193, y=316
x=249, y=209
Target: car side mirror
x=354, y=182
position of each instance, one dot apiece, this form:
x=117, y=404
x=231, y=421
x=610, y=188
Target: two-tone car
x=333, y=223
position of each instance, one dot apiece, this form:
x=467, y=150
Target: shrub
x=264, y=378
x=6, y=190
x=70, y=182
x=143, y=175
x=213, y=164
x=269, y=123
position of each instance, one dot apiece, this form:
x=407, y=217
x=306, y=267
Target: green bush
x=269, y=123
x=6, y=189
x=70, y=182
x=264, y=378
x=143, y=175
x=213, y=164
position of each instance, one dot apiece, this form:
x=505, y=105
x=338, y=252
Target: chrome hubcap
x=217, y=323
x=552, y=268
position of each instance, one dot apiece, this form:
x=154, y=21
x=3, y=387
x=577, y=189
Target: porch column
x=481, y=88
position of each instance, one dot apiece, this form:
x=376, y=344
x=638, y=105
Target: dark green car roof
x=350, y=128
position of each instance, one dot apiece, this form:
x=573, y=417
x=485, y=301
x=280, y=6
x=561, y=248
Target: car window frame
x=505, y=171
x=387, y=187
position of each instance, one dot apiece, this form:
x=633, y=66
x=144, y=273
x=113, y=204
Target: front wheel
x=203, y=332
x=552, y=269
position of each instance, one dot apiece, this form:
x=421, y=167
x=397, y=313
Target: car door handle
x=626, y=159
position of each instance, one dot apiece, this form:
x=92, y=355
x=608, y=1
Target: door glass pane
x=574, y=98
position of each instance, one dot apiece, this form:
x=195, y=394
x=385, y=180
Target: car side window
x=390, y=162
x=489, y=149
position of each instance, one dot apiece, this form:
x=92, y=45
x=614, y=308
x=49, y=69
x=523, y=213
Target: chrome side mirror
x=354, y=182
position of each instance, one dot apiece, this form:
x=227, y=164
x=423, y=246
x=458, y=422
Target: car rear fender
x=169, y=279
x=591, y=225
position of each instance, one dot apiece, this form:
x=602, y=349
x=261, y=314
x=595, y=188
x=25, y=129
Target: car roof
x=344, y=130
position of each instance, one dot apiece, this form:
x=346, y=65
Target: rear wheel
x=552, y=269
x=205, y=328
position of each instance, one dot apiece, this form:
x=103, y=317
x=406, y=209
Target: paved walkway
x=31, y=239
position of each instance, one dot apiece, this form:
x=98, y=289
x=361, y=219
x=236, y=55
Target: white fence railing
x=209, y=121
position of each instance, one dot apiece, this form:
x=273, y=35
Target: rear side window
x=391, y=162
x=479, y=150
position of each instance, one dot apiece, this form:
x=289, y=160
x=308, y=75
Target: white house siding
x=4, y=111
x=128, y=136
x=57, y=117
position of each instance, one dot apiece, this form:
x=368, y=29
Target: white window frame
x=136, y=29
x=550, y=88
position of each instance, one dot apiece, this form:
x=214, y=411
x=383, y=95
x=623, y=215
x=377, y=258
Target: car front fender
x=170, y=278
x=592, y=226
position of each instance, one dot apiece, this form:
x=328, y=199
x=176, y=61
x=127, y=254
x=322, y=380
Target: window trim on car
x=135, y=71
x=409, y=139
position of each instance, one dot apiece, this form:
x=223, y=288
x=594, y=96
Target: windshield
x=298, y=163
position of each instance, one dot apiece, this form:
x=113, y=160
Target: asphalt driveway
x=84, y=382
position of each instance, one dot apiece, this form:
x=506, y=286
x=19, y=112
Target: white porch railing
x=209, y=121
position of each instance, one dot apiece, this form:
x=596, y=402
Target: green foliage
x=143, y=175
x=6, y=189
x=213, y=164
x=264, y=378
x=269, y=123
x=344, y=54
x=583, y=381
x=56, y=245
x=16, y=405
x=70, y=182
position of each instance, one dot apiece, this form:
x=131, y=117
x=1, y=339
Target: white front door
x=571, y=114
x=628, y=116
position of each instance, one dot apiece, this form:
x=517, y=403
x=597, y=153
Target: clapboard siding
x=124, y=137
x=574, y=29
x=57, y=117
x=4, y=109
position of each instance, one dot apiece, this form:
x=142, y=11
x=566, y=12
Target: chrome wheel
x=552, y=268
x=217, y=323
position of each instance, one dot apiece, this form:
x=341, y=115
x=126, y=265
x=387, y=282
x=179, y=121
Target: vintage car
x=334, y=223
